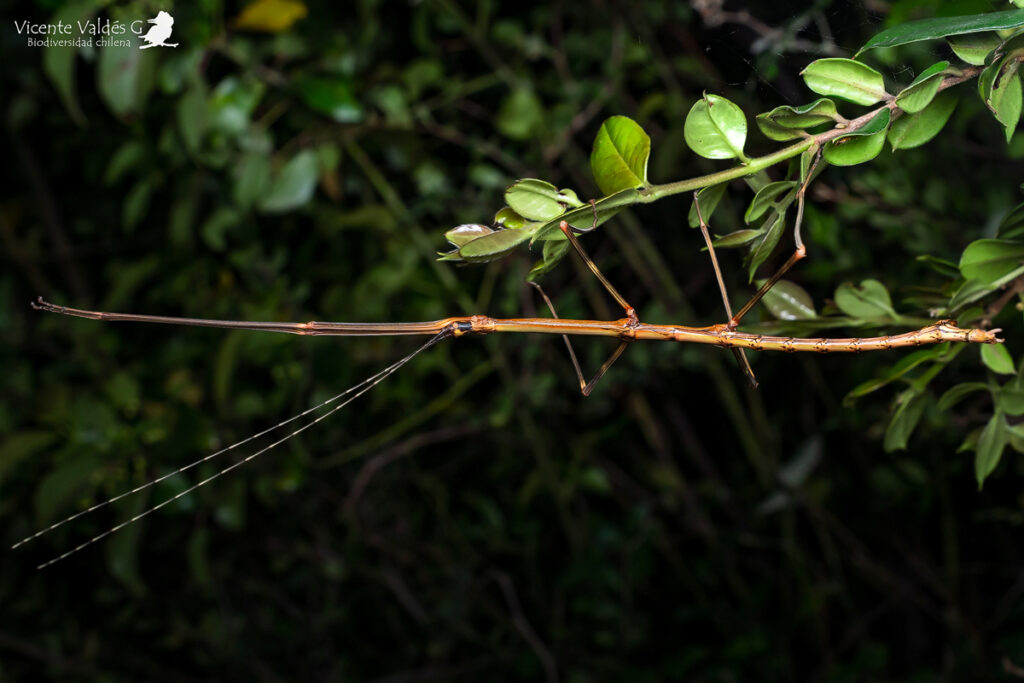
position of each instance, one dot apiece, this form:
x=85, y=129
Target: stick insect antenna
x=359, y=390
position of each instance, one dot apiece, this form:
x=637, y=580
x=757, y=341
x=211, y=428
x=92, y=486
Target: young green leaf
x=997, y=359
x=990, y=447
x=1010, y=399
x=1000, y=89
x=493, y=246
x=1012, y=226
x=914, y=130
x=293, y=186
x=716, y=128
x=738, y=238
x=554, y=251
x=709, y=197
x=788, y=123
x=923, y=89
x=901, y=368
x=870, y=300
x=861, y=145
x=942, y=27
x=764, y=198
x=508, y=218
x=583, y=217
x=845, y=78
x=909, y=408
x=619, y=158
x=538, y=200
x=959, y=393
x=520, y=115
x=988, y=260
x=462, y=235
x=789, y=301
x=772, y=228
x=973, y=48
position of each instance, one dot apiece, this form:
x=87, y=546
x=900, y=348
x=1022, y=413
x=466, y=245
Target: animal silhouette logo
x=157, y=35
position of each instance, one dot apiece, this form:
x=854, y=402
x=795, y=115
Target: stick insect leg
x=587, y=387
x=568, y=344
x=741, y=357
x=567, y=230
x=801, y=250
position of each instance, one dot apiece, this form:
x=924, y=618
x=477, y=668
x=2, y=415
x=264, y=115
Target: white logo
x=161, y=31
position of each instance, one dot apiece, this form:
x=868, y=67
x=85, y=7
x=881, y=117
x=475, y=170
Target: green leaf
x=943, y=267
x=914, y=130
x=619, y=158
x=554, y=251
x=765, y=197
x=716, y=128
x=990, y=447
x=462, y=235
x=493, y=246
x=845, y=78
x=988, y=260
x=520, y=115
x=772, y=229
x=59, y=61
x=789, y=301
x=1013, y=225
x=1000, y=89
x=251, y=179
x=909, y=408
x=294, y=184
x=958, y=393
x=538, y=200
x=942, y=27
x=861, y=145
x=124, y=78
x=508, y=218
x=709, y=197
x=997, y=359
x=127, y=157
x=1010, y=399
x=136, y=203
x=738, y=238
x=62, y=484
x=582, y=218
x=332, y=97
x=870, y=300
x=973, y=48
x=923, y=89
x=192, y=117
x=901, y=368
x=19, y=445
x=215, y=228
x=788, y=123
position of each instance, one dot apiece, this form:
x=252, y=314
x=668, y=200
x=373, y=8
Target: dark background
x=473, y=518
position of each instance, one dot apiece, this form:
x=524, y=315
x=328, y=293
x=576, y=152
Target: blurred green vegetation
x=474, y=517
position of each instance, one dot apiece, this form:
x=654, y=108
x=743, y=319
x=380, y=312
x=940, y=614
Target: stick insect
x=627, y=329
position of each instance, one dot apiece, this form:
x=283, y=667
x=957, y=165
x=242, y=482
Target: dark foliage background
x=474, y=517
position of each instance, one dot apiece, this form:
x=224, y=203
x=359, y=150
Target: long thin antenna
x=362, y=387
